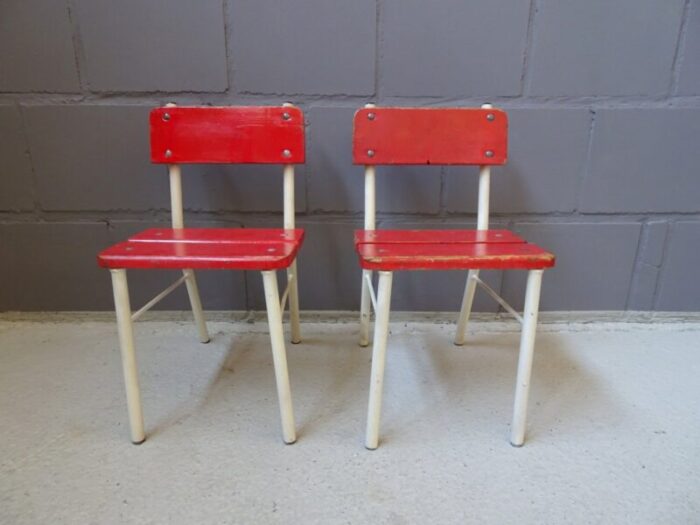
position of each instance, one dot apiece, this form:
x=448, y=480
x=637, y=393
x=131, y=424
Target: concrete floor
x=613, y=431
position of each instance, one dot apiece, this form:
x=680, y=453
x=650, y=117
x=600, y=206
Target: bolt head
x=490, y=116
x=168, y=153
x=489, y=153
x=371, y=116
x=286, y=154
x=370, y=153
x=166, y=116
x=286, y=116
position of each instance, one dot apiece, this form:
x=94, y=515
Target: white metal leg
x=466, y=309
x=294, y=302
x=126, y=345
x=365, y=310
x=196, y=303
x=527, y=346
x=279, y=355
x=381, y=334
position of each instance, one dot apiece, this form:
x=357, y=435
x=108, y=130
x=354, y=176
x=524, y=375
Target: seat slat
x=219, y=235
x=196, y=252
x=435, y=236
x=453, y=256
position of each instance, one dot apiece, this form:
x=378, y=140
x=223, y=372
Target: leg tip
x=296, y=342
x=364, y=344
x=206, y=341
x=516, y=445
x=138, y=442
x=375, y=447
x=290, y=442
x=459, y=343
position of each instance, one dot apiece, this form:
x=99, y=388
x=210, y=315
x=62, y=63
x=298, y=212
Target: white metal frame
x=275, y=308
x=382, y=302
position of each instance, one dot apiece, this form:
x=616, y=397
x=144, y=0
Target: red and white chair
x=221, y=135
x=465, y=136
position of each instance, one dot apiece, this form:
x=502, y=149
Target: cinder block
x=546, y=158
x=15, y=167
x=594, y=266
x=212, y=187
x=53, y=266
x=153, y=45
x=218, y=289
x=37, y=47
x=303, y=47
x=649, y=259
x=679, y=287
x=329, y=272
x=643, y=160
x=336, y=184
x=438, y=291
x=452, y=48
x=94, y=158
x=689, y=79
x=651, y=249
x=600, y=47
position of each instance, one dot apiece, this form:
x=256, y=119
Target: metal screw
x=166, y=116
x=490, y=116
x=370, y=153
x=168, y=153
x=286, y=154
x=489, y=153
x=370, y=116
x=286, y=116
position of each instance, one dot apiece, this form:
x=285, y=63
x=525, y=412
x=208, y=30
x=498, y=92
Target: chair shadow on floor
x=329, y=376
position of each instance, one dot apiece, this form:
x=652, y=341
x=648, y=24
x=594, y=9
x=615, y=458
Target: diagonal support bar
x=370, y=287
x=162, y=295
x=498, y=298
x=283, y=301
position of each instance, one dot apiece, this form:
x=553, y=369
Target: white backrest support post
x=288, y=190
x=288, y=196
x=370, y=193
x=484, y=191
x=176, y=209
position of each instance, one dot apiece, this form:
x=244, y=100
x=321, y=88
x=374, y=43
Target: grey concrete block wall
x=604, y=109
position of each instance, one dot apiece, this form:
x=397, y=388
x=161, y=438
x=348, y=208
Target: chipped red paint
x=434, y=236
x=443, y=254
x=430, y=136
x=236, y=135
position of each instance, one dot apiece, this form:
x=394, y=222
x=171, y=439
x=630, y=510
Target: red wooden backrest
x=230, y=135
x=430, y=136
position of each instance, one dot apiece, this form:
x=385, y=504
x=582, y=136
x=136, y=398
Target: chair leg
x=279, y=355
x=527, y=346
x=381, y=334
x=466, y=310
x=196, y=304
x=292, y=279
x=126, y=345
x=365, y=304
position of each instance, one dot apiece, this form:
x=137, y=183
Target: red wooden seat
x=390, y=250
x=230, y=135
x=450, y=136
x=206, y=249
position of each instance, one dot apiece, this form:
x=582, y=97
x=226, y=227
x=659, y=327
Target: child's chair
x=466, y=136
x=222, y=135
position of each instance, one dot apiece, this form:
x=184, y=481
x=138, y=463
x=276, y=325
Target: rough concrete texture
x=612, y=427
x=604, y=118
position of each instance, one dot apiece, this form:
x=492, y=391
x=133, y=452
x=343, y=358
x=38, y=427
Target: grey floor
x=613, y=432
